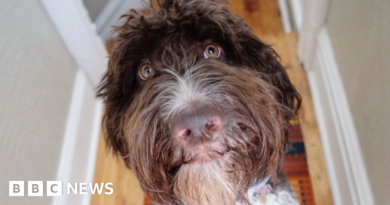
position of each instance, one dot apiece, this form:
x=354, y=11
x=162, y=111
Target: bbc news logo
x=54, y=188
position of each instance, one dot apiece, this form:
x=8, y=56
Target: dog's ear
x=115, y=107
x=119, y=83
x=264, y=59
x=255, y=54
x=116, y=89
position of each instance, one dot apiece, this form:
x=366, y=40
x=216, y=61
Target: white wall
x=36, y=81
x=359, y=31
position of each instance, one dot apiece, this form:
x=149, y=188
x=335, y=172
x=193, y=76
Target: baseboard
x=79, y=147
x=347, y=172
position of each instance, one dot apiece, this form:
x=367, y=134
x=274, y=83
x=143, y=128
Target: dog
x=198, y=107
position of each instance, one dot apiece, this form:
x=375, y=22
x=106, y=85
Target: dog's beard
x=207, y=183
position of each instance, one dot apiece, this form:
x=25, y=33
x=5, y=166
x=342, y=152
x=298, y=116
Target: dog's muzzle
x=199, y=124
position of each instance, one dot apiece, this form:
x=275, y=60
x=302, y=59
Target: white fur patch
x=184, y=91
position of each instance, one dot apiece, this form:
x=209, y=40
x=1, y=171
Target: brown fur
x=247, y=83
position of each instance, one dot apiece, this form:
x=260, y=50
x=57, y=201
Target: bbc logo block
x=54, y=188
x=35, y=188
x=16, y=188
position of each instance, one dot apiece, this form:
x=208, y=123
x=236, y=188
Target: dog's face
x=195, y=103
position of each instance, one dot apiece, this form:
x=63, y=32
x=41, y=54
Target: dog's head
x=195, y=103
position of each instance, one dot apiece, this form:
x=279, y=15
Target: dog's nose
x=201, y=123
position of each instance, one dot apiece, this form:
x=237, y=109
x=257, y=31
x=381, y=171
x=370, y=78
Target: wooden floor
x=264, y=17
x=112, y=169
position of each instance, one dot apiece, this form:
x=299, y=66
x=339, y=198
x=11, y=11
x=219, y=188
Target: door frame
x=81, y=137
x=344, y=160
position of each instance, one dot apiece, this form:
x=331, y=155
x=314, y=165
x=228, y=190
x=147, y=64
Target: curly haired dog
x=197, y=105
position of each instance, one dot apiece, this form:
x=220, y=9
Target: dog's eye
x=212, y=51
x=146, y=71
